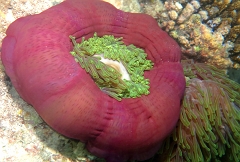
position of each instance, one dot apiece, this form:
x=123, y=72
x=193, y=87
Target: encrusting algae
x=117, y=69
x=209, y=124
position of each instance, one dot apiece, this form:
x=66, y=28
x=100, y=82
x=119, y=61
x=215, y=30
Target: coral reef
x=207, y=33
x=207, y=30
x=209, y=124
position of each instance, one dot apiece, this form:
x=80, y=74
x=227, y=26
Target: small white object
x=116, y=65
x=9, y=16
x=178, y=6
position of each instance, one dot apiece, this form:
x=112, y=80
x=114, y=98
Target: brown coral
x=219, y=18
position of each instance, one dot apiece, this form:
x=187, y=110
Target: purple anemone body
x=35, y=54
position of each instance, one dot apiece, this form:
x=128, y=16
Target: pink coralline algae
x=35, y=54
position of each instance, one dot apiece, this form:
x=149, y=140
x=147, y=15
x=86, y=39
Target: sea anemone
x=209, y=124
x=36, y=56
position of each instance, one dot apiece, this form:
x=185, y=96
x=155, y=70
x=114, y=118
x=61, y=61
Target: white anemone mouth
x=116, y=65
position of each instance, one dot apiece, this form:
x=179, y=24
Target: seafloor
x=23, y=134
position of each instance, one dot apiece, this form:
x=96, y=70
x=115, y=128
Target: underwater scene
x=120, y=80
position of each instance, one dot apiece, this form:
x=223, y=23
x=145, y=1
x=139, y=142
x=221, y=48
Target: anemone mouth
x=117, y=69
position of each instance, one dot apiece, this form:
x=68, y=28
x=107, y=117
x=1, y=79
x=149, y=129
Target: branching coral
x=228, y=12
x=209, y=125
x=212, y=27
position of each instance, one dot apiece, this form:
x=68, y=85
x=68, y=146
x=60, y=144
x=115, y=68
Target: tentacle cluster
x=209, y=124
x=88, y=55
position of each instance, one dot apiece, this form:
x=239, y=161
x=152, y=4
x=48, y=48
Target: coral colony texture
x=207, y=30
x=80, y=94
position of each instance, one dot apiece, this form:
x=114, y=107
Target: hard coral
x=36, y=56
x=210, y=26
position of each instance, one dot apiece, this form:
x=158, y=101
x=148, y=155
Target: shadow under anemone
x=36, y=57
